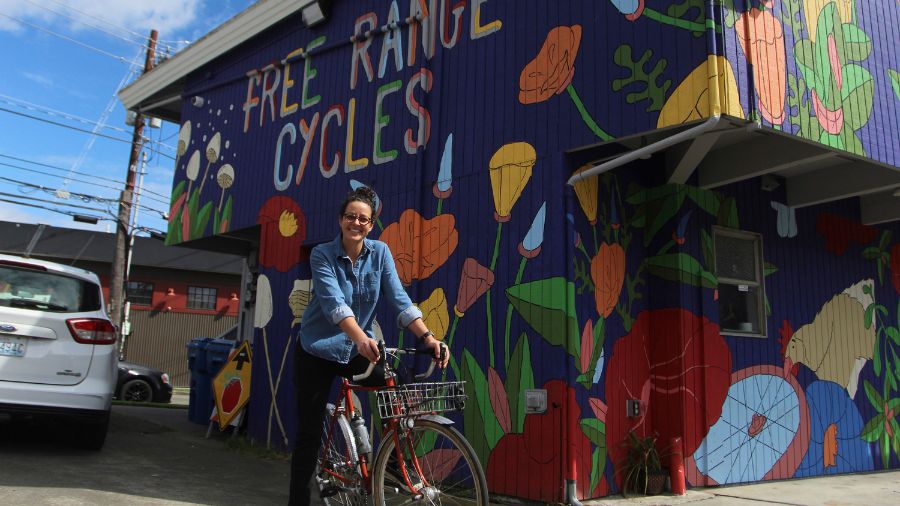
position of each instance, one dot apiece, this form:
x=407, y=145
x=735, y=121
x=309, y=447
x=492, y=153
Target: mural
x=599, y=295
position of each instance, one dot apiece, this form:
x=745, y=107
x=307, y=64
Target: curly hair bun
x=362, y=194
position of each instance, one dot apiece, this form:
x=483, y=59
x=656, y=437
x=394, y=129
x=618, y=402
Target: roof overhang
x=158, y=93
x=736, y=150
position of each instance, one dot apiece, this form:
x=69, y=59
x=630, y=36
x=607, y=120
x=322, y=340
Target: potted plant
x=642, y=469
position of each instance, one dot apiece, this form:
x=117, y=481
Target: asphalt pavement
x=155, y=456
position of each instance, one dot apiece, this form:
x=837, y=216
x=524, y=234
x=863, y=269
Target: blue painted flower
x=678, y=234
x=834, y=428
x=531, y=245
x=632, y=9
x=442, y=187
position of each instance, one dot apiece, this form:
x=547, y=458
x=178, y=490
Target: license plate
x=12, y=346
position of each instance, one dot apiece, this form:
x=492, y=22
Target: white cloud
x=39, y=79
x=122, y=18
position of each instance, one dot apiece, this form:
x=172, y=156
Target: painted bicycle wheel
x=439, y=465
x=763, y=433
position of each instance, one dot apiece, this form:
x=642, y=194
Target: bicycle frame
x=392, y=427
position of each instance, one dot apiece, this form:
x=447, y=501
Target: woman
x=349, y=275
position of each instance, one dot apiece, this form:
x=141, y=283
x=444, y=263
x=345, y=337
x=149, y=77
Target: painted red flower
x=420, y=245
x=476, y=279
x=551, y=71
x=679, y=367
x=530, y=465
x=838, y=232
x=283, y=232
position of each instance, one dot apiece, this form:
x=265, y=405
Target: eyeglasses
x=363, y=220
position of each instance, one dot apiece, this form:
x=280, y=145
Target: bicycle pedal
x=329, y=491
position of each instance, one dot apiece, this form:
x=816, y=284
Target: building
x=175, y=294
x=679, y=221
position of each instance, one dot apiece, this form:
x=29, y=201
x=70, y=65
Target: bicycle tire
x=341, y=459
x=450, y=466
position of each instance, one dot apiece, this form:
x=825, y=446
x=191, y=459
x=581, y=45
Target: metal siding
x=159, y=339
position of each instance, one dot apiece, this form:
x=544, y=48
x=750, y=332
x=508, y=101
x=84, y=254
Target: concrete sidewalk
x=871, y=489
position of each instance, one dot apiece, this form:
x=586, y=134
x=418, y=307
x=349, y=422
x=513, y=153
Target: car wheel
x=136, y=390
x=92, y=435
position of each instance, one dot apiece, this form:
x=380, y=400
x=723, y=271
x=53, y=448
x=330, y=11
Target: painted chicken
x=836, y=344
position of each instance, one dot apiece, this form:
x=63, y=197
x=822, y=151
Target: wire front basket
x=421, y=399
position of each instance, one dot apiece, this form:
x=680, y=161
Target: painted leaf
x=481, y=426
x=707, y=200
x=857, y=44
x=681, y=268
x=198, y=227
x=441, y=462
x=599, y=409
x=519, y=377
x=499, y=401
x=597, y=471
x=728, y=216
x=857, y=96
x=707, y=245
x=895, y=81
x=548, y=305
x=587, y=345
x=595, y=430
x=769, y=269
x=226, y=216
x=642, y=196
x=667, y=209
x=873, y=429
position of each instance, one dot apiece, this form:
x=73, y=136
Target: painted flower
x=192, y=170
x=419, y=245
x=838, y=232
x=263, y=312
x=225, y=176
x=476, y=279
x=587, y=190
x=671, y=360
x=551, y=71
x=812, y=8
x=213, y=147
x=690, y=101
x=678, y=235
x=632, y=9
x=608, y=275
x=536, y=451
x=443, y=187
x=510, y=169
x=299, y=299
x=435, y=314
x=835, y=426
x=762, y=39
x=530, y=246
x=184, y=139
x=283, y=232
x=762, y=434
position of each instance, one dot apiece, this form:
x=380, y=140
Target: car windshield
x=46, y=291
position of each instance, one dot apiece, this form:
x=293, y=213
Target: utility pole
x=123, y=222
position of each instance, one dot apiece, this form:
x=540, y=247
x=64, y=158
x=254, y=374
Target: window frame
x=130, y=298
x=190, y=300
x=759, y=283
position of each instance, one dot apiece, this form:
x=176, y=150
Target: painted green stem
x=586, y=116
x=678, y=22
x=509, y=312
x=440, y=207
x=449, y=343
x=487, y=298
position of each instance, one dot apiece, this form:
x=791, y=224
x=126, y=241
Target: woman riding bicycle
x=349, y=275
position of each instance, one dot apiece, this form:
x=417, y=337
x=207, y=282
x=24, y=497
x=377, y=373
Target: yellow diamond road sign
x=232, y=385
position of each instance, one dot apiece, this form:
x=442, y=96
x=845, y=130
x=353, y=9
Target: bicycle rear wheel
x=439, y=462
x=337, y=472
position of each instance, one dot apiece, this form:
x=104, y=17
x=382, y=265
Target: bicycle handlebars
x=383, y=352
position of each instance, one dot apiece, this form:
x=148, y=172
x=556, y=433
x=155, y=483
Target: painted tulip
x=530, y=246
x=587, y=190
x=762, y=39
x=435, y=314
x=476, y=279
x=510, y=169
x=551, y=71
x=632, y=9
x=608, y=275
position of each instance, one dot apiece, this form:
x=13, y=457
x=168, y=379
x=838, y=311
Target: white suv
x=57, y=346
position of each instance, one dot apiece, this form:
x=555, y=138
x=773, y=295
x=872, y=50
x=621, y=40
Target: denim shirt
x=342, y=289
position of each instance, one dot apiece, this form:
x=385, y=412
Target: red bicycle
x=422, y=458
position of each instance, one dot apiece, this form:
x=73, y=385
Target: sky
x=64, y=141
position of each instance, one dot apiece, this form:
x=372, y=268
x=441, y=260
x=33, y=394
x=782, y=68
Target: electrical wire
x=56, y=203
x=74, y=128
x=77, y=180
x=67, y=213
x=53, y=112
x=66, y=38
x=143, y=45
x=118, y=182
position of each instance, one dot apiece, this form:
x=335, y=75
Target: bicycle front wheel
x=337, y=472
x=439, y=467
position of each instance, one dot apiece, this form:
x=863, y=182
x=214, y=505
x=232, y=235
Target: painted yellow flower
x=287, y=224
x=812, y=8
x=435, y=314
x=510, y=169
x=690, y=100
x=586, y=191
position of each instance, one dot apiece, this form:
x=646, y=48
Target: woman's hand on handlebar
x=368, y=348
x=440, y=351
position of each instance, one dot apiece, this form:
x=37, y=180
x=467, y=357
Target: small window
x=201, y=298
x=139, y=292
x=741, y=290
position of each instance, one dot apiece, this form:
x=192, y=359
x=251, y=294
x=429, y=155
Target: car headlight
x=165, y=378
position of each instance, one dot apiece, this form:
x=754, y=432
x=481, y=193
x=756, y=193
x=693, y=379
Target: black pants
x=313, y=378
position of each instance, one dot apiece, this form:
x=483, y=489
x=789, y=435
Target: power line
x=74, y=128
x=66, y=38
x=67, y=213
x=142, y=45
x=56, y=203
x=143, y=190
x=83, y=196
